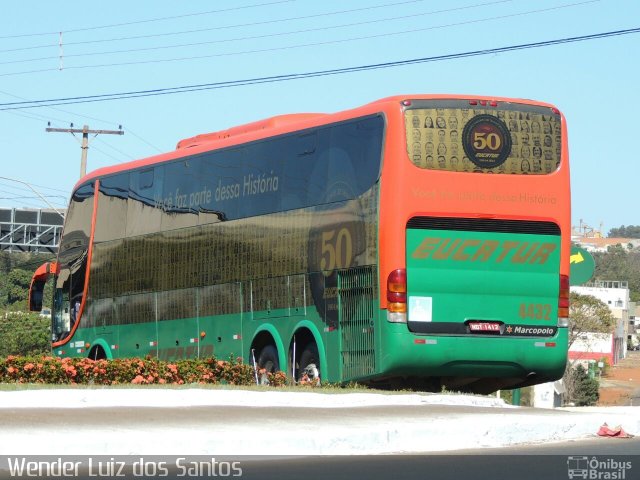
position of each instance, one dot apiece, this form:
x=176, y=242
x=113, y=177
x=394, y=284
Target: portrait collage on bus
x=525, y=140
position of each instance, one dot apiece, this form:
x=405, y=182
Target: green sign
x=582, y=265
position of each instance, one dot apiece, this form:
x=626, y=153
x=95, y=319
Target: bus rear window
x=510, y=138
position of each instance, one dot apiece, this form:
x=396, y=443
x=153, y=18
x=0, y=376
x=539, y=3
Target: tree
x=14, y=288
x=25, y=334
x=588, y=314
x=16, y=270
x=619, y=264
x=630, y=231
x=581, y=389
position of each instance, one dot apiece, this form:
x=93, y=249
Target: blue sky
x=594, y=83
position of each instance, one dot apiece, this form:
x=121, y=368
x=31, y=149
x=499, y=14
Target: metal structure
x=30, y=230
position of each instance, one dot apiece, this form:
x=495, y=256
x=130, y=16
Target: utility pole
x=85, y=140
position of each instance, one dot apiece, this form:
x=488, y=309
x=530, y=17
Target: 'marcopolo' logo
x=529, y=331
x=486, y=141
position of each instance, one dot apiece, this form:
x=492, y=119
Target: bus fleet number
x=337, y=249
x=535, y=310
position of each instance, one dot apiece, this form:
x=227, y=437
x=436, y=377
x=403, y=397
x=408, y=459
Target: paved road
x=548, y=462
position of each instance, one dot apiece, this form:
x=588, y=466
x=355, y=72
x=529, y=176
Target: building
x=602, y=244
x=593, y=240
x=611, y=346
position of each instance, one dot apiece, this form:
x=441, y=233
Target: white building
x=612, y=346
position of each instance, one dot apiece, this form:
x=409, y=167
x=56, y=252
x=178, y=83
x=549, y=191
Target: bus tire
x=268, y=359
x=309, y=365
x=97, y=353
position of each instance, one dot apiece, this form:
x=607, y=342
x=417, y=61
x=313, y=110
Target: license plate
x=493, y=327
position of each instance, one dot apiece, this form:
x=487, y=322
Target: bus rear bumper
x=462, y=360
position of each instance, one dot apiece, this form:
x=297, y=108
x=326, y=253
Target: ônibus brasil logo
x=595, y=468
x=486, y=141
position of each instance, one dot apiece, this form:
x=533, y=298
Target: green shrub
x=584, y=389
x=51, y=370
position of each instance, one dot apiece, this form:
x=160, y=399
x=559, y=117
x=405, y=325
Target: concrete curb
x=283, y=423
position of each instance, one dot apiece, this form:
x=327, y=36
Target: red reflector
x=420, y=341
x=550, y=344
x=397, y=297
x=483, y=103
x=473, y=102
x=556, y=111
x=563, y=302
x=406, y=103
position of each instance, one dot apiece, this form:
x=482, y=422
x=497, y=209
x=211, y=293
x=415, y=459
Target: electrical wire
x=138, y=22
x=3, y=183
x=288, y=47
x=308, y=30
x=38, y=117
x=253, y=24
x=304, y=75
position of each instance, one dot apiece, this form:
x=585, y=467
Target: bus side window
x=112, y=208
x=361, y=146
x=300, y=154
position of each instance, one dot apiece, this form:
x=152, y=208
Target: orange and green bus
x=417, y=241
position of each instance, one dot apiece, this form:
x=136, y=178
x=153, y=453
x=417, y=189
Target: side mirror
x=38, y=281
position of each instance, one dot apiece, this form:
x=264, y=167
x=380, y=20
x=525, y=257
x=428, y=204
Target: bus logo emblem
x=486, y=141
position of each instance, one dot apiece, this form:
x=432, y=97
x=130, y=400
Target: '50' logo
x=336, y=250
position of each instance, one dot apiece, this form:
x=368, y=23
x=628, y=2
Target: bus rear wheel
x=309, y=366
x=268, y=360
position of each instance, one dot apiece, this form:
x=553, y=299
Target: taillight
x=397, y=296
x=563, y=302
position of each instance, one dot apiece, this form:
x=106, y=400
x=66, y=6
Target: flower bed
x=137, y=371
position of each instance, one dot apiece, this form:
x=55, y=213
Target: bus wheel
x=268, y=360
x=97, y=353
x=309, y=369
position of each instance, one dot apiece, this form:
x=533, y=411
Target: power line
x=298, y=76
x=143, y=140
x=137, y=22
x=289, y=47
x=12, y=186
x=252, y=24
x=38, y=117
x=34, y=198
x=308, y=30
